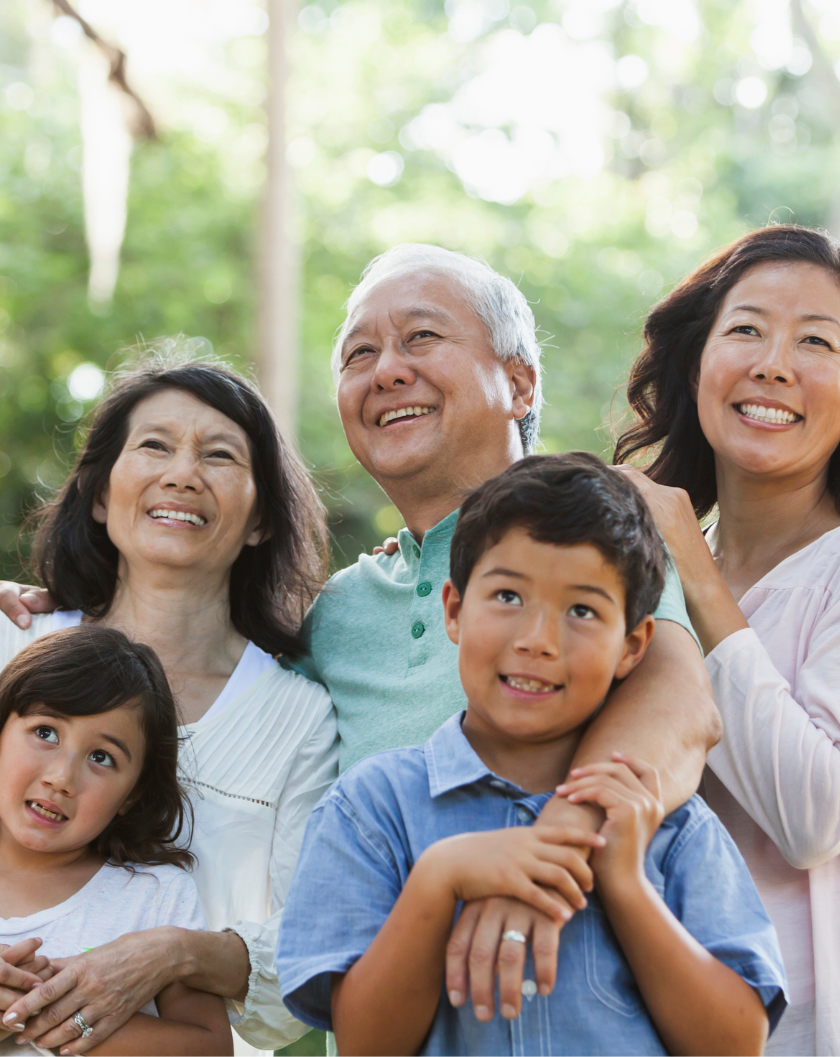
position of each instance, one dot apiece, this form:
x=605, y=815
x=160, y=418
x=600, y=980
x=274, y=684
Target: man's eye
x=424, y=334
x=101, y=757
x=48, y=734
x=510, y=598
x=582, y=612
x=356, y=354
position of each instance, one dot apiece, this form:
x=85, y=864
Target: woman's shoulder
x=13, y=639
x=815, y=567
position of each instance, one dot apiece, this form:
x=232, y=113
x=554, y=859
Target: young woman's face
x=182, y=492
x=65, y=778
x=768, y=388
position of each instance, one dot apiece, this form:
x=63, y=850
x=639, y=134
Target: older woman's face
x=182, y=492
x=768, y=389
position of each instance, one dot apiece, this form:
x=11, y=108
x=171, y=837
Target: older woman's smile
x=178, y=517
x=766, y=415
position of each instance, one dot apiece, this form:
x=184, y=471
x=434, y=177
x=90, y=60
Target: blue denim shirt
x=368, y=831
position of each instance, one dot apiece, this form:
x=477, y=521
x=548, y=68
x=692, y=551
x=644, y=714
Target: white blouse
x=776, y=781
x=255, y=766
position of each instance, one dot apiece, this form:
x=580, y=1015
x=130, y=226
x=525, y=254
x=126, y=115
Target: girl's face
x=768, y=388
x=65, y=778
x=182, y=492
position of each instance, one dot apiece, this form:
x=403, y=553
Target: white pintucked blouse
x=776, y=780
x=254, y=765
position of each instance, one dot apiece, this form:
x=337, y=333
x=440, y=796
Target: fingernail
x=36, y=984
x=456, y=998
x=21, y=621
x=561, y=788
x=20, y=1040
x=544, y=990
x=576, y=772
x=508, y=1011
x=482, y=1012
x=64, y=1052
x=11, y=1018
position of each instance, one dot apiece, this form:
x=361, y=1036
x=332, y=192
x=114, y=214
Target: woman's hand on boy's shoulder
x=628, y=791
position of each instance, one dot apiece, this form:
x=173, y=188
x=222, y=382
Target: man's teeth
x=39, y=809
x=403, y=412
x=531, y=686
x=178, y=515
x=768, y=414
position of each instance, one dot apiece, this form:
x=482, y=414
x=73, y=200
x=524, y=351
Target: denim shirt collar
x=453, y=763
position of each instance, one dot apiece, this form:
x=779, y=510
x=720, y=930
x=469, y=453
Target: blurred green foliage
x=703, y=132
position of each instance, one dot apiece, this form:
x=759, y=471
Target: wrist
x=624, y=891
x=179, y=950
x=436, y=873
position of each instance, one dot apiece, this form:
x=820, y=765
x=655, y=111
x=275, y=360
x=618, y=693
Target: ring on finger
x=83, y=1026
x=515, y=935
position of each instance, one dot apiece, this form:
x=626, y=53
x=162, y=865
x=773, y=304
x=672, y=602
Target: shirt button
x=497, y=783
x=424, y=588
x=417, y=629
x=529, y=988
x=524, y=816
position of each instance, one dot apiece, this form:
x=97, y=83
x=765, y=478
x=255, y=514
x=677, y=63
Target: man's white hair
x=495, y=300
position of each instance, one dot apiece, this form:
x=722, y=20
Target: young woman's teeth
x=530, y=686
x=404, y=412
x=177, y=515
x=768, y=414
x=39, y=809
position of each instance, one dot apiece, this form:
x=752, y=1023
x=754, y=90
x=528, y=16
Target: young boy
x=556, y=569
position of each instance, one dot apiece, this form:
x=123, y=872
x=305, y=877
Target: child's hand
x=516, y=862
x=628, y=791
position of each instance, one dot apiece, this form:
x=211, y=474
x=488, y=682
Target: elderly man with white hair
x=437, y=369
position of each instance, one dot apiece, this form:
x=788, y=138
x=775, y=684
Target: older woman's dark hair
x=88, y=670
x=271, y=584
x=660, y=389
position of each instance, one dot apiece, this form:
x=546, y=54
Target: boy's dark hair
x=88, y=670
x=565, y=500
x=661, y=386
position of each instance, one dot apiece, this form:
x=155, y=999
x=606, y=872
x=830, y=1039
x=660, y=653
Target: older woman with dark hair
x=737, y=399
x=188, y=524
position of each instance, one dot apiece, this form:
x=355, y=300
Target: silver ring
x=515, y=935
x=82, y=1025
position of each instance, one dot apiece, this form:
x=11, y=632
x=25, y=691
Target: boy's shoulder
x=688, y=836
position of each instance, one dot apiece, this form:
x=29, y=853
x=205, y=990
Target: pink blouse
x=776, y=780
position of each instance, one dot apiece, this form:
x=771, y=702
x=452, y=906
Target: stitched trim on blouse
x=233, y=796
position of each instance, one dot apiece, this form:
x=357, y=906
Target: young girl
x=90, y=813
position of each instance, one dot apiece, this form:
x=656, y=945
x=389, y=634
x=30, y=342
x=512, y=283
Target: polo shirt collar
x=440, y=534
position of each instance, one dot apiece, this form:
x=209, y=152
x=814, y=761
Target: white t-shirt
x=113, y=902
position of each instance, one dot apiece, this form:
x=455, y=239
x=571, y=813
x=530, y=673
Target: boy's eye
x=100, y=756
x=582, y=612
x=510, y=598
x=46, y=734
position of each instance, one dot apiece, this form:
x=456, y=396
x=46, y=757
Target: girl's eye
x=510, y=598
x=582, y=612
x=101, y=757
x=47, y=734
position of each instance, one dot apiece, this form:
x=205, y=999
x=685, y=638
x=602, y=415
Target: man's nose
x=182, y=473
x=392, y=367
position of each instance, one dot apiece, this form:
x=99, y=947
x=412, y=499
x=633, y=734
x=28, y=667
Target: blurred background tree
x=593, y=150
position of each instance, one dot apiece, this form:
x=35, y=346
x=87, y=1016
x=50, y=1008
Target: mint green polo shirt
x=378, y=644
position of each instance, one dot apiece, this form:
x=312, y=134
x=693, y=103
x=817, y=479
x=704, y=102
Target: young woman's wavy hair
x=660, y=388
x=271, y=584
x=88, y=670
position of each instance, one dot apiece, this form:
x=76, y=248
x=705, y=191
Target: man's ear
x=523, y=381
x=452, y=611
x=635, y=644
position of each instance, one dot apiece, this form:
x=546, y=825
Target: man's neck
x=536, y=767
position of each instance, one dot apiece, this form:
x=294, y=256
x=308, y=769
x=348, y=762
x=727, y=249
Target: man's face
x=422, y=392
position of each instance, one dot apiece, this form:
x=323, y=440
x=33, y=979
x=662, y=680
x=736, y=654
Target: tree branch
x=145, y=125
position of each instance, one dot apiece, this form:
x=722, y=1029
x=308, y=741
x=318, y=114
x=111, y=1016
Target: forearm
x=386, y=1002
x=663, y=712
x=216, y=962
x=145, y=1034
x=698, y=1004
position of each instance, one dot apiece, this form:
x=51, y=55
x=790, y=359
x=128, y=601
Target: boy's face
x=541, y=635
x=65, y=778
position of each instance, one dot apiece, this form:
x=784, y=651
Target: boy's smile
x=541, y=635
